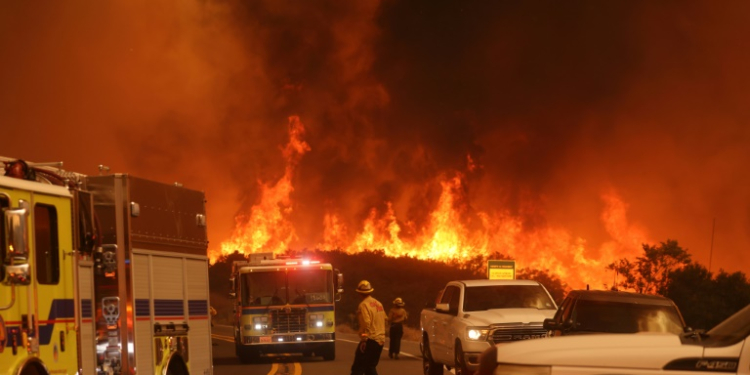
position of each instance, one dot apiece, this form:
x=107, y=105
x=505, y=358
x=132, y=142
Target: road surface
x=226, y=363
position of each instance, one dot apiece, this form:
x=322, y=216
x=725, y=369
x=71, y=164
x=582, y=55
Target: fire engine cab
x=284, y=305
x=101, y=274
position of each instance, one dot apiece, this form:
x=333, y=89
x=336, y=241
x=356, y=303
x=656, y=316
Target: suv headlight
x=503, y=369
x=477, y=333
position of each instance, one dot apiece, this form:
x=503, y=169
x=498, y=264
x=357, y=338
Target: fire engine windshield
x=308, y=286
x=301, y=286
x=263, y=288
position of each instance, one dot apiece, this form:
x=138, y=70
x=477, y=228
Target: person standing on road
x=396, y=317
x=371, y=317
x=213, y=312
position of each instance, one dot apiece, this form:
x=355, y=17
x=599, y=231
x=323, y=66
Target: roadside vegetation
x=416, y=281
x=705, y=298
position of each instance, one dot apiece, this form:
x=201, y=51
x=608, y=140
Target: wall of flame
x=562, y=135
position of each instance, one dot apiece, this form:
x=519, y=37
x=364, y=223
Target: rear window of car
x=622, y=317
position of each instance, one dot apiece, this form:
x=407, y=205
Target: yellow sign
x=501, y=269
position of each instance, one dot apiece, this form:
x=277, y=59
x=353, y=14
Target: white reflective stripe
x=37, y=187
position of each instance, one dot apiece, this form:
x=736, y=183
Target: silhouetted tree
x=650, y=273
x=704, y=299
x=221, y=270
x=691, y=289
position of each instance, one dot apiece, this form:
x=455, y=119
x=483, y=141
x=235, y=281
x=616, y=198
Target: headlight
x=477, y=333
x=259, y=322
x=503, y=369
x=316, y=320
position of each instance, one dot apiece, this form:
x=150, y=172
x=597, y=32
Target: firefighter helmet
x=399, y=302
x=364, y=287
x=19, y=169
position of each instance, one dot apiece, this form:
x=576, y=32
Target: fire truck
x=284, y=305
x=102, y=274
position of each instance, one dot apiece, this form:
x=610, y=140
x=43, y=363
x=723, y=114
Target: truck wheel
x=429, y=367
x=460, y=361
x=32, y=369
x=177, y=367
x=329, y=351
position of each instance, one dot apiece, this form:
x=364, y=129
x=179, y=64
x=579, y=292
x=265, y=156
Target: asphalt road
x=225, y=362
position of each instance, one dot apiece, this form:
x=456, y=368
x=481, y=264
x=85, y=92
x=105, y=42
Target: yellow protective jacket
x=371, y=316
x=397, y=315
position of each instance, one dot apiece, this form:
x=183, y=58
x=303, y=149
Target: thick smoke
x=556, y=105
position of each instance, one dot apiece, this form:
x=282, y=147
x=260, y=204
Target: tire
x=460, y=362
x=329, y=351
x=429, y=367
x=177, y=367
x=32, y=369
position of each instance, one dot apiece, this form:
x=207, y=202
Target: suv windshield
x=623, y=317
x=731, y=330
x=478, y=298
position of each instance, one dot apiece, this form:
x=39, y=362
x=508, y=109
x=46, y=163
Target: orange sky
x=560, y=108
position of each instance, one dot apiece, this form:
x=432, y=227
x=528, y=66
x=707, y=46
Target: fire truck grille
x=516, y=333
x=288, y=320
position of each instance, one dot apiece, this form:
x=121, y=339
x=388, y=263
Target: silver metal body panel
x=160, y=218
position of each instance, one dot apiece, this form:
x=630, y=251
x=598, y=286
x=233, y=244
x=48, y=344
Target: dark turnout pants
x=397, y=332
x=365, y=363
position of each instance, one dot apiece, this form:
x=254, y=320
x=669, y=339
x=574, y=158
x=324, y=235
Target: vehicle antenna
x=711, y=253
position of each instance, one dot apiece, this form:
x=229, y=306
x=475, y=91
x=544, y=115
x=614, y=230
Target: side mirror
x=550, y=324
x=16, y=260
x=442, y=307
x=18, y=274
x=18, y=244
x=340, y=282
x=339, y=285
x=568, y=324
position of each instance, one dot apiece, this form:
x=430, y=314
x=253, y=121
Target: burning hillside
x=454, y=230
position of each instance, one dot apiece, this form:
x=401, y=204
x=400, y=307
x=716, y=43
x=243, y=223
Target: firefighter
x=371, y=317
x=396, y=317
x=213, y=314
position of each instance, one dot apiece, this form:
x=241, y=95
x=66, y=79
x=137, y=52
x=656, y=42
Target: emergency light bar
x=304, y=262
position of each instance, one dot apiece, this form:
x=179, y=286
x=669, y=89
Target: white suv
x=725, y=349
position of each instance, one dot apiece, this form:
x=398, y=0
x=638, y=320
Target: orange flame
x=451, y=234
x=446, y=238
x=267, y=228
